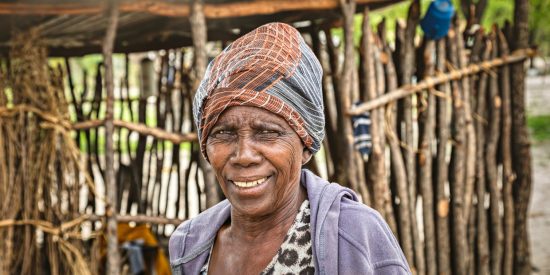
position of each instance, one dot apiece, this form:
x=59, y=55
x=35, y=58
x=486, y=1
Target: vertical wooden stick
x=95, y=114
x=199, y=32
x=457, y=169
x=381, y=184
x=347, y=174
x=406, y=54
x=508, y=174
x=521, y=155
x=491, y=166
x=441, y=171
x=424, y=160
x=482, y=240
x=113, y=257
x=329, y=144
x=470, y=169
x=375, y=165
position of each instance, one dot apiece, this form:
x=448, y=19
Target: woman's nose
x=245, y=153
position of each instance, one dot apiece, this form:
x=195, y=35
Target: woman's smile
x=250, y=189
x=249, y=183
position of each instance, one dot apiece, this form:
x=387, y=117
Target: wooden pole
x=405, y=50
x=521, y=155
x=491, y=166
x=329, y=143
x=180, y=9
x=375, y=165
x=424, y=159
x=441, y=170
x=198, y=31
x=331, y=97
x=382, y=183
x=346, y=170
x=457, y=169
x=113, y=257
x=482, y=240
x=467, y=91
x=507, y=173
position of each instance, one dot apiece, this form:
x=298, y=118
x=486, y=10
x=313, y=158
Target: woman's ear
x=306, y=156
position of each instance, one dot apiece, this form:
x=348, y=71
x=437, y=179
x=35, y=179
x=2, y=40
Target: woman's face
x=257, y=158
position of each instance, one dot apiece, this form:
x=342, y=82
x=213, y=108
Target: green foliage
x=497, y=12
x=540, y=127
x=539, y=25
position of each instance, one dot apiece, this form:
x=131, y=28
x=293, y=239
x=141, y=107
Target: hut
x=79, y=163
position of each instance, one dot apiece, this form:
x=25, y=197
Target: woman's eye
x=269, y=133
x=222, y=134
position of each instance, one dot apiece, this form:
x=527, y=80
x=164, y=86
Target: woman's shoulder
x=357, y=218
x=195, y=234
x=364, y=230
x=352, y=207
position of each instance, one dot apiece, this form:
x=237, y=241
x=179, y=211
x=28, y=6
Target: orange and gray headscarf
x=272, y=68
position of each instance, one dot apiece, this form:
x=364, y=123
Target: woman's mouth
x=248, y=184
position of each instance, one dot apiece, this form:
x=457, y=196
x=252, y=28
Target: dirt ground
x=538, y=101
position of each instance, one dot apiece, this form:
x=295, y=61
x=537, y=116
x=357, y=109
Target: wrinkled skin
x=245, y=145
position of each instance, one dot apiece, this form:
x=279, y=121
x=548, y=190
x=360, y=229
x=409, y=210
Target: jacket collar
x=324, y=199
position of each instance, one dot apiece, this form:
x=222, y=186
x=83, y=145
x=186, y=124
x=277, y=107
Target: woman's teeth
x=250, y=183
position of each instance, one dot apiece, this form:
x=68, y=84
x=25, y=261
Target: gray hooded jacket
x=348, y=237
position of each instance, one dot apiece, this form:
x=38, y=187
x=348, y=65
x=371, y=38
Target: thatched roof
x=78, y=27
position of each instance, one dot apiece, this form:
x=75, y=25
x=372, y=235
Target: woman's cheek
x=216, y=155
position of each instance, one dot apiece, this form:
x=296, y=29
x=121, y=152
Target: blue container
x=437, y=20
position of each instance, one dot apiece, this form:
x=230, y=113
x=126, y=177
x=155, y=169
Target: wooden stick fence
x=443, y=146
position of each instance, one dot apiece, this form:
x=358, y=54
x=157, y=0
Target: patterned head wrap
x=271, y=68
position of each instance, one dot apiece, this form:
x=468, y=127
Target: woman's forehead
x=250, y=114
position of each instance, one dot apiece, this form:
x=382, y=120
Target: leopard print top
x=295, y=254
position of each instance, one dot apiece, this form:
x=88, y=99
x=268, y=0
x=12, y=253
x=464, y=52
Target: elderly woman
x=259, y=112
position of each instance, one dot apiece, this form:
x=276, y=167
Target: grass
x=540, y=127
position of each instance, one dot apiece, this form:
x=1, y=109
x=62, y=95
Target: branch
x=225, y=10
x=138, y=219
x=140, y=128
x=430, y=82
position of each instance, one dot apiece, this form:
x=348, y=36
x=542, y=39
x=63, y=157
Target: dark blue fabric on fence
x=135, y=255
x=437, y=20
x=361, y=133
